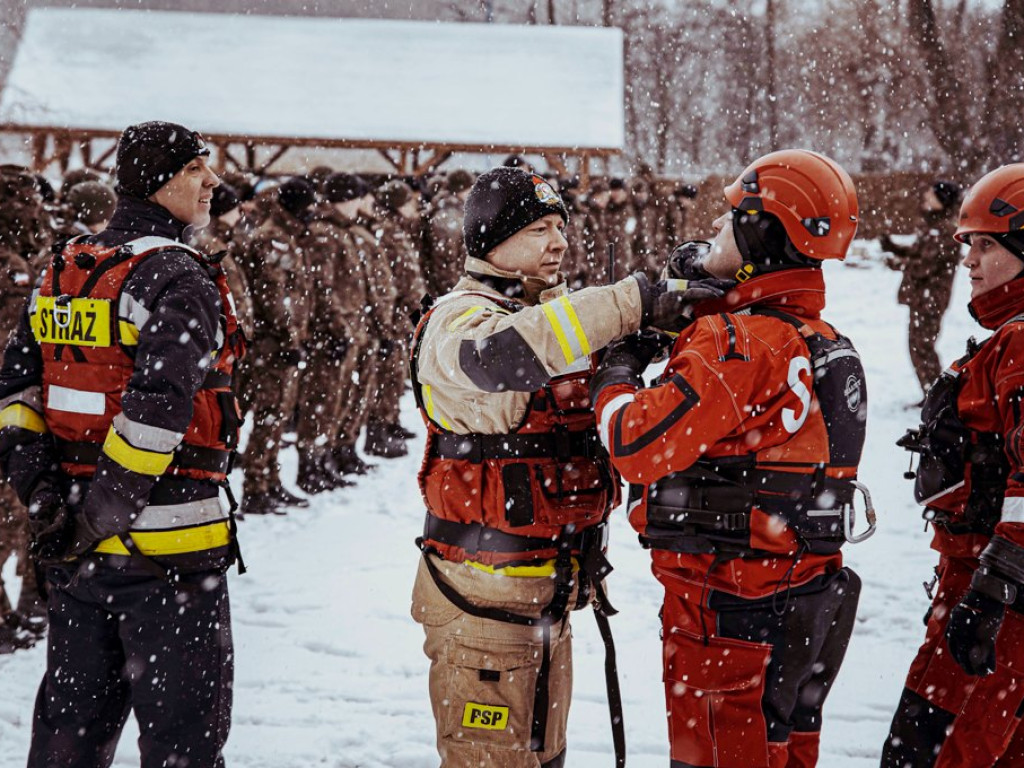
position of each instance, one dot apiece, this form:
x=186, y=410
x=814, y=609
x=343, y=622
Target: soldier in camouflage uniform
x=397, y=209
x=647, y=250
x=353, y=201
x=21, y=210
x=279, y=283
x=619, y=226
x=447, y=251
x=86, y=209
x=340, y=333
x=680, y=203
x=595, y=234
x=928, y=268
x=218, y=238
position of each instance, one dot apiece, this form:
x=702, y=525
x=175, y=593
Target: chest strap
x=185, y=456
x=559, y=444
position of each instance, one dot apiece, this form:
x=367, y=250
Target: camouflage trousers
x=14, y=541
x=392, y=372
x=925, y=324
x=359, y=393
x=323, y=390
x=274, y=390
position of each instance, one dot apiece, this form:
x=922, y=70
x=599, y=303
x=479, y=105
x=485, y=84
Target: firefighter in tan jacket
x=516, y=485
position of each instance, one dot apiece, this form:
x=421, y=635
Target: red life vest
x=514, y=498
x=88, y=328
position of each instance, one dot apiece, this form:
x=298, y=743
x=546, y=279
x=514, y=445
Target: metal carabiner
x=62, y=311
x=869, y=514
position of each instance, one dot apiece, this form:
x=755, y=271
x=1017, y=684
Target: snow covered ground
x=329, y=666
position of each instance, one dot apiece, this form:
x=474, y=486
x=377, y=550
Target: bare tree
x=950, y=118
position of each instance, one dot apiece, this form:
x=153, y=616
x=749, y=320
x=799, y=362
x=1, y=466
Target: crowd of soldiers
x=327, y=270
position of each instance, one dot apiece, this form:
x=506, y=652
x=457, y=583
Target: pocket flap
x=492, y=654
x=724, y=665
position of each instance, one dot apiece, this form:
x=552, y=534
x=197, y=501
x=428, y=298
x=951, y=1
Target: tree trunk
x=773, y=117
x=950, y=121
x=607, y=13
x=551, y=12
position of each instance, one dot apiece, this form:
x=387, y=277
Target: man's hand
x=668, y=305
x=624, y=360
x=972, y=630
x=686, y=262
x=85, y=537
x=48, y=523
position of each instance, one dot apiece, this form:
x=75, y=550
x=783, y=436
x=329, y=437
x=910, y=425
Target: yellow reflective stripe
x=461, y=319
x=568, y=331
x=135, y=459
x=432, y=414
x=128, y=332
x=174, y=542
x=546, y=568
x=20, y=415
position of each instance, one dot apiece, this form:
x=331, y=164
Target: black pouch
x=515, y=478
x=230, y=421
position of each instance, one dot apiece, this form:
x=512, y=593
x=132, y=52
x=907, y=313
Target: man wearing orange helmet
x=964, y=695
x=743, y=463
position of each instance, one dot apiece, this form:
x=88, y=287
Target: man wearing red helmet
x=964, y=695
x=743, y=464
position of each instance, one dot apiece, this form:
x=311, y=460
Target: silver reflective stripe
x=75, y=400
x=30, y=396
x=571, y=331
x=132, y=310
x=161, y=518
x=146, y=437
x=144, y=244
x=821, y=362
x=608, y=412
x=1013, y=509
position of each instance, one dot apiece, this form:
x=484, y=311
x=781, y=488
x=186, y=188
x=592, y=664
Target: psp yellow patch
x=79, y=322
x=485, y=716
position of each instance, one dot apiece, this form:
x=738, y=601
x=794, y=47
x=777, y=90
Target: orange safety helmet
x=994, y=205
x=809, y=193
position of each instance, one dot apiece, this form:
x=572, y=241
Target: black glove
x=971, y=632
x=85, y=537
x=48, y=524
x=668, y=304
x=686, y=262
x=624, y=360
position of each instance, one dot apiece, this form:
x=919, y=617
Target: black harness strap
x=611, y=680
x=185, y=456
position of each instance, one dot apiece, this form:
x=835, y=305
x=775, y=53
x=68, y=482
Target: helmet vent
x=1001, y=208
x=749, y=183
x=818, y=227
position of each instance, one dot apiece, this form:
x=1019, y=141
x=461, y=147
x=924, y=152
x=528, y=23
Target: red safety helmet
x=809, y=193
x=994, y=205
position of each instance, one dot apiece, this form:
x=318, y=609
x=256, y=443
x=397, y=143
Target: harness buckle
x=62, y=311
x=848, y=512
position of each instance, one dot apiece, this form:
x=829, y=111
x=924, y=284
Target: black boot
x=381, y=442
x=317, y=477
x=13, y=637
x=261, y=504
x=288, y=499
x=348, y=462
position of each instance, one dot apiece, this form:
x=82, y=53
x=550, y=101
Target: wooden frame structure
x=56, y=146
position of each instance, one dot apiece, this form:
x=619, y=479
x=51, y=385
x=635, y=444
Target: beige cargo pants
x=483, y=673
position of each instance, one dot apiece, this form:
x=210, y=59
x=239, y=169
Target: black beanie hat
x=342, y=187
x=149, y=154
x=225, y=199
x=948, y=193
x=502, y=202
x=296, y=195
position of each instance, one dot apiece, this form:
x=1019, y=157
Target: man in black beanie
x=117, y=423
x=517, y=492
x=928, y=266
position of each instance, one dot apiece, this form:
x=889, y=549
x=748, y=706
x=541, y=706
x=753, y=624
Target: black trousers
x=120, y=641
